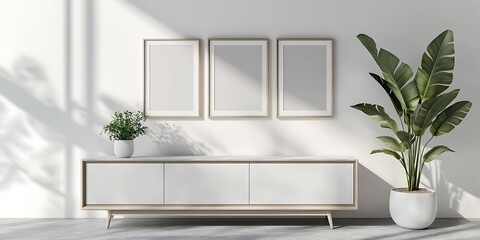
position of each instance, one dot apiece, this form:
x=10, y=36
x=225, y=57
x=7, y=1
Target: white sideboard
x=302, y=183
x=120, y=183
x=305, y=186
x=206, y=183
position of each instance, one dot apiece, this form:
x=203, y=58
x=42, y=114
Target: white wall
x=66, y=66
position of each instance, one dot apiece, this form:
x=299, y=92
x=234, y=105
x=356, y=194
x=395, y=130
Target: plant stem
x=413, y=163
x=410, y=163
x=402, y=161
x=417, y=162
x=422, y=162
x=401, y=122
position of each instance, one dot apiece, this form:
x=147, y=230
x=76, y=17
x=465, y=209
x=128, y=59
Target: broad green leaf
x=447, y=120
x=405, y=138
x=378, y=114
x=410, y=94
x=434, y=76
x=369, y=44
x=388, y=152
x=435, y=152
x=396, y=74
x=392, y=143
x=393, y=98
x=389, y=62
x=430, y=109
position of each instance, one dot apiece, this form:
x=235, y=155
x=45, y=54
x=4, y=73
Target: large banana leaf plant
x=419, y=102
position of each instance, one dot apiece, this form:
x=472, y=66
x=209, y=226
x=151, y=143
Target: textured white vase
x=123, y=148
x=413, y=210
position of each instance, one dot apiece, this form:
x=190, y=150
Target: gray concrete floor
x=226, y=228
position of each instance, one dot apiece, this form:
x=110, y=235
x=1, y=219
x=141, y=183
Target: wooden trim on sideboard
x=355, y=187
x=267, y=159
x=221, y=161
x=193, y=208
x=84, y=183
x=249, y=213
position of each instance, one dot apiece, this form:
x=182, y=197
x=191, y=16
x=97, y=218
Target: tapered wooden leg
x=330, y=220
x=109, y=218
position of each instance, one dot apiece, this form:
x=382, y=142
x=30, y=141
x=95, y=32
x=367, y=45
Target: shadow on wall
x=369, y=184
x=37, y=136
x=449, y=195
x=26, y=121
x=28, y=137
x=33, y=94
x=171, y=140
x=25, y=141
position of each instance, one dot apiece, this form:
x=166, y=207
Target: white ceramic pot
x=123, y=148
x=413, y=210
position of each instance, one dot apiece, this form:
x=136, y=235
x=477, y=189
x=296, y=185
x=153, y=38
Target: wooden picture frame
x=305, y=77
x=238, y=72
x=172, y=79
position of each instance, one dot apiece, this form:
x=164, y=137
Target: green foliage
x=378, y=114
x=418, y=102
x=392, y=143
x=449, y=118
x=393, y=98
x=388, y=152
x=430, y=109
x=435, y=152
x=125, y=126
x=396, y=74
x=434, y=76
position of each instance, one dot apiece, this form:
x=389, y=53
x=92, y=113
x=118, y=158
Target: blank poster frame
x=195, y=79
x=328, y=110
x=265, y=92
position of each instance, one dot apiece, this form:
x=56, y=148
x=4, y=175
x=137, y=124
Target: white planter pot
x=123, y=148
x=413, y=210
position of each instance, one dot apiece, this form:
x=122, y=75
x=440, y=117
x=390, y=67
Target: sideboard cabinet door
x=206, y=183
x=124, y=183
x=302, y=183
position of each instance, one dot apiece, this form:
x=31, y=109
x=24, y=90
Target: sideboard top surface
x=250, y=159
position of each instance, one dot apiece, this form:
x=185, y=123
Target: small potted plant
x=425, y=112
x=123, y=129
